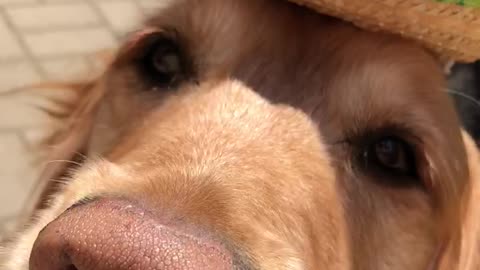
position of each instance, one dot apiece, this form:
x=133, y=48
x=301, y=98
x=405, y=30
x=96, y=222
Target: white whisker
x=468, y=97
x=64, y=161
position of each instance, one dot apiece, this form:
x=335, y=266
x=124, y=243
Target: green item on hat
x=466, y=3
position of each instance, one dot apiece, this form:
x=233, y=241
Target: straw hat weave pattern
x=450, y=28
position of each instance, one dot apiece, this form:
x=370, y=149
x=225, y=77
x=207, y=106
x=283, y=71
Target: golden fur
x=255, y=147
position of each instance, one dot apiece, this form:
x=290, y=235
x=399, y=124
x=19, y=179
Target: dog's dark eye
x=164, y=63
x=390, y=155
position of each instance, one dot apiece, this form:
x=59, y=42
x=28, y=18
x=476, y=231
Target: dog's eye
x=164, y=64
x=390, y=155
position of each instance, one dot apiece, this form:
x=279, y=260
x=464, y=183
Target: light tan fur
x=255, y=148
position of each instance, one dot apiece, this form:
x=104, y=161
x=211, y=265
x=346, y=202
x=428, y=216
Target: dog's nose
x=111, y=234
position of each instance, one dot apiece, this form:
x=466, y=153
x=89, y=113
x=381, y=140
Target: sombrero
x=450, y=28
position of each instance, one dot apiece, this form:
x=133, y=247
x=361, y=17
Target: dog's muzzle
x=111, y=234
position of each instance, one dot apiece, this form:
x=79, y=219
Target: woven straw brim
x=451, y=31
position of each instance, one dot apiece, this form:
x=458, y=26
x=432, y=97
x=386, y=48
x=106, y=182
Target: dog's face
x=256, y=134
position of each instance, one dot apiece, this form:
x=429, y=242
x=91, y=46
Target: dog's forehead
x=286, y=52
x=231, y=29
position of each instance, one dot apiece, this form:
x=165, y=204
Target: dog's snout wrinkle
x=111, y=234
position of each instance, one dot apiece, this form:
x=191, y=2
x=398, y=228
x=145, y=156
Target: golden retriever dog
x=257, y=134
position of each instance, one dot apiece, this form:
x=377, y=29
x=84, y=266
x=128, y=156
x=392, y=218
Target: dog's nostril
x=114, y=234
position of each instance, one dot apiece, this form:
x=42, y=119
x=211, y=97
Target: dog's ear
x=73, y=125
x=70, y=110
x=69, y=129
x=463, y=252
x=470, y=240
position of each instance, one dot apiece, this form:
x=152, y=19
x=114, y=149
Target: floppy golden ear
x=69, y=131
x=70, y=121
x=470, y=241
x=74, y=123
x=464, y=253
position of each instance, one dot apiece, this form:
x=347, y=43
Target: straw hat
x=450, y=29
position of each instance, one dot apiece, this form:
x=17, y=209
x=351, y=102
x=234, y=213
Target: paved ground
x=47, y=39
